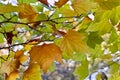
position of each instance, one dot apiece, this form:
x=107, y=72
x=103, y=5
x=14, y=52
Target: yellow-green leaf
x=32, y=73
x=82, y=6
x=8, y=8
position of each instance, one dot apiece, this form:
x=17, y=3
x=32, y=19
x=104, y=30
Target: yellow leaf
x=8, y=8
x=32, y=73
x=82, y=6
x=9, y=66
x=45, y=55
x=19, y=55
x=60, y=3
x=73, y=42
x=28, y=12
x=13, y=76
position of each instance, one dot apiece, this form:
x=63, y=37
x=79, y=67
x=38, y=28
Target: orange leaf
x=60, y=3
x=32, y=73
x=13, y=76
x=73, y=42
x=45, y=55
x=19, y=55
x=28, y=12
x=44, y=2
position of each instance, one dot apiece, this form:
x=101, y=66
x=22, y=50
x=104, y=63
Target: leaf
x=27, y=1
x=32, y=73
x=13, y=75
x=45, y=55
x=28, y=12
x=93, y=39
x=82, y=6
x=73, y=42
x=108, y=4
x=115, y=76
x=1, y=38
x=115, y=15
x=82, y=71
x=44, y=2
x=102, y=27
x=60, y=3
x=8, y=8
x=114, y=67
x=19, y=55
x=9, y=66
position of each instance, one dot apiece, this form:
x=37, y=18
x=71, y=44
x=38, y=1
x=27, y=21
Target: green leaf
x=1, y=38
x=9, y=27
x=113, y=36
x=82, y=71
x=27, y=1
x=104, y=26
x=115, y=15
x=93, y=39
x=108, y=4
x=97, y=52
x=114, y=67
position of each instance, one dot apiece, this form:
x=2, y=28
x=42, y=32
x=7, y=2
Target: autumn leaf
x=73, y=42
x=44, y=2
x=45, y=55
x=9, y=66
x=19, y=55
x=13, y=75
x=28, y=12
x=60, y=3
x=82, y=6
x=108, y=4
x=8, y=8
x=32, y=73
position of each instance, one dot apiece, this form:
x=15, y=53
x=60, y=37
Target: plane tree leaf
x=82, y=71
x=32, y=73
x=9, y=66
x=45, y=54
x=13, y=76
x=28, y=12
x=19, y=55
x=82, y=6
x=73, y=42
x=8, y=8
x=93, y=39
x=60, y=3
x=101, y=27
x=108, y=4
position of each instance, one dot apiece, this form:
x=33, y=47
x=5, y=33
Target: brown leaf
x=60, y=3
x=19, y=55
x=45, y=55
x=44, y=2
x=118, y=26
x=28, y=12
x=73, y=42
x=32, y=73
